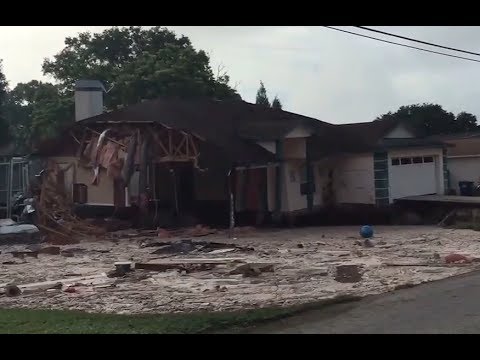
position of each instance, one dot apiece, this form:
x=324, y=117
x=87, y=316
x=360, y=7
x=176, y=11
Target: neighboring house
x=463, y=157
x=191, y=154
x=13, y=177
x=381, y=161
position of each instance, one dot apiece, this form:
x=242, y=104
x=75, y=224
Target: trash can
x=466, y=188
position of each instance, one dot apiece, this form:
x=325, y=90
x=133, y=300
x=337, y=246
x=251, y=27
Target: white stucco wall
x=268, y=145
x=299, y=132
x=400, y=132
x=411, y=180
x=293, y=180
x=354, y=180
x=463, y=169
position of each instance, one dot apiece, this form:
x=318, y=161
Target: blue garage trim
x=446, y=174
x=380, y=166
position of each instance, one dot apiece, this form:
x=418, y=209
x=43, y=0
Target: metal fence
x=14, y=178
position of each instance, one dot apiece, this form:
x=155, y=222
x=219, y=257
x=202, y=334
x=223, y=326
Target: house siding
x=463, y=169
x=354, y=179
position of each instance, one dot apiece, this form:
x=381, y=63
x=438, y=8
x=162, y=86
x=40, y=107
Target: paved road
x=446, y=306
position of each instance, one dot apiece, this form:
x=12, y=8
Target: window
x=405, y=161
x=428, y=159
x=417, y=160
x=395, y=162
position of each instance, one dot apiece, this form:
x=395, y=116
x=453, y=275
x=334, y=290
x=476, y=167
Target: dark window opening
x=405, y=161
x=417, y=160
x=395, y=162
x=428, y=159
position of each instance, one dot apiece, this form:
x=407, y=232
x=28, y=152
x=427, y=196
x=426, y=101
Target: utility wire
x=399, y=44
x=418, y=41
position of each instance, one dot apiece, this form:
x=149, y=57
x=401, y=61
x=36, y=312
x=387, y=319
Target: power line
x=418, y=41
x=399, y=44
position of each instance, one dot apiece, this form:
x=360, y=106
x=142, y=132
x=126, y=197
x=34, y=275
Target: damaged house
x=214, y=159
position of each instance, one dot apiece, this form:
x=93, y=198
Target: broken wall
x=100, y=194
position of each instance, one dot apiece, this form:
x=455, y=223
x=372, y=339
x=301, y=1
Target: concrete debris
x=124, y=266
x=252, y=269
x=348, y=274
x=50, y=250
x=12, y=290
x=456, y=258
x=188, y=265
x=22, y=254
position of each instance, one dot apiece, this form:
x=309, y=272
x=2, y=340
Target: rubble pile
x=142, y=272
x=54, y=210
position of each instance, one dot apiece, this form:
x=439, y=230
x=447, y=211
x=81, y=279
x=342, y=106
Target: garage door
x=410, y=176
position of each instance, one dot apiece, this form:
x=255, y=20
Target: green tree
x=276, y=104
x=134, y=63
x=37, y=111
x=262, y=98
x=432, y=119
x=466, y=122
x=137, y=64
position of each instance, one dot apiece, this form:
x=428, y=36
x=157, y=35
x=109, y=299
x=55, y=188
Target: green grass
x=26, y=321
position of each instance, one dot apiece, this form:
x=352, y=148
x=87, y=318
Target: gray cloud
x=315, y=71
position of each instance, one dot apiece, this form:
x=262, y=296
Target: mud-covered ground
x=305, y=269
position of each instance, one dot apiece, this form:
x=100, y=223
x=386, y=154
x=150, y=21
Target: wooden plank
x=47, y=284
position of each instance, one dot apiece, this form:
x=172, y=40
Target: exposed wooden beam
x=178, y=148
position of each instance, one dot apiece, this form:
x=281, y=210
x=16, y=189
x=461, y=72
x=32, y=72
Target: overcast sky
x=332, y=76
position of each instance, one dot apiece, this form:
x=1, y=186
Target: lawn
x=26, y=321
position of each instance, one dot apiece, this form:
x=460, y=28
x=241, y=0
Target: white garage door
x=410, y=176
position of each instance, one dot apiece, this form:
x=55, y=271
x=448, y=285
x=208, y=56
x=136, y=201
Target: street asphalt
x=449, y=306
